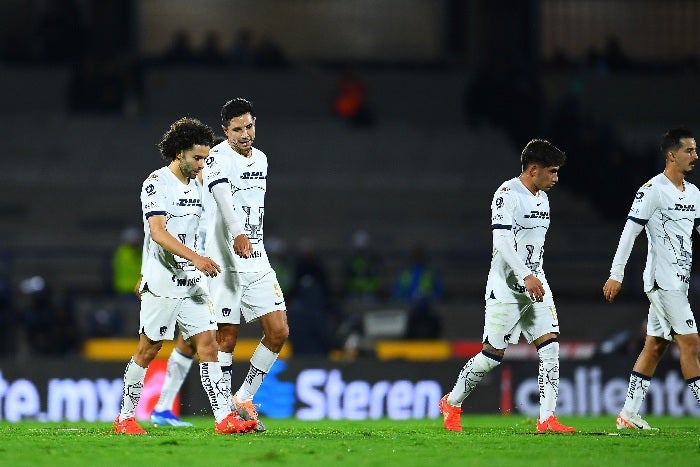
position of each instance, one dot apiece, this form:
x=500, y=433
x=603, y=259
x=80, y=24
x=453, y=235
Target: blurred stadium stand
x=418, y=175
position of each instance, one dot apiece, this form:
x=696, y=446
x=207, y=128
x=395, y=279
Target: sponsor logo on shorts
x=689, y=322
x=226, y=311
x=162, y=330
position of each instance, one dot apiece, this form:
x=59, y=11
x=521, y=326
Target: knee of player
x=208, y=351
x=689, y=343
x=279, y=334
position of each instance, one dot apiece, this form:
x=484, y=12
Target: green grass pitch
x=489, y=440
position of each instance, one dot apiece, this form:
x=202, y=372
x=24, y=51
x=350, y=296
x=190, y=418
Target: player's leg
x=226, y=336
x=655, y=344
x=263, y=300
x=226, y=291
x=500, y=320
x=541, y=328
x=689, y=346
x=276, y=331
x=197, y=325
x=156, y=314
x=548, y=382
x=178, y=366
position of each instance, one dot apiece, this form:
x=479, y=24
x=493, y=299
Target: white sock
x=226, y=363
x=694, y=385
x=548, y=378
x=212, y=381
x=260, y=364
x=133, y=384
x=178, y=366
x=636, y=391
x=472, y=373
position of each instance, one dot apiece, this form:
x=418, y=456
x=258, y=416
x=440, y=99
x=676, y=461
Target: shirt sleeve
x=503, y=242
x=224, y=201
x=502, y=209
x=624, y=248
x=153, y=200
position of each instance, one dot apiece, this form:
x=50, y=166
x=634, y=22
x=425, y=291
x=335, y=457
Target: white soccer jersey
x=247, y=178
x=165, y=274
x=526, y=217
x=668, y=216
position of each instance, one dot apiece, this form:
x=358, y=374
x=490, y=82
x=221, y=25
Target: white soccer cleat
x=627, y=421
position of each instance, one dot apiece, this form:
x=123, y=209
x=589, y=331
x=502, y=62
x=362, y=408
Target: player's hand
x=207, y=265
x=534, y=288
x=242, y=246
x=137, y=288
x=611, y=289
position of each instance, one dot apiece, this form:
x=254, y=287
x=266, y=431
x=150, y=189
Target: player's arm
x=165, y=239
x=612, y=286
x=224, y=200
x=503, y=242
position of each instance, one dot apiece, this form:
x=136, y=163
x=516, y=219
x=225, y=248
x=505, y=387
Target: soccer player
x=235, y=181
x=668, y=208
x=172, y=288
x=518, y=297
x=180, y=360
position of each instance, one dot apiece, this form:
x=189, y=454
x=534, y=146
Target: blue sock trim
x=227, y=368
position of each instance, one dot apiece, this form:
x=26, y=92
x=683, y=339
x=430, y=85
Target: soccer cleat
x=167, y=418
x=234, y=424
x=247, y=411
x=626, y=421
x=451, y=415
x=553, y=425
x=127, y=426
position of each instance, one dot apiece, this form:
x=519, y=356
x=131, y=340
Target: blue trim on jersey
x=638, y=221
x=215, y=182
x=155, y=213
x=501, y=226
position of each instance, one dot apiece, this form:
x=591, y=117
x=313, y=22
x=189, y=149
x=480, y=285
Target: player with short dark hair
x=235, y=182
x=668, y=208
x=518, y=297
x=173, y=287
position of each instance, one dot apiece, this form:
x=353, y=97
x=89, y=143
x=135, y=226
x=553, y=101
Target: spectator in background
x=180, y=51
x=419, y=281
x=270, y=55
x=50, y=329
x=211, y=53
x=362, y=271
x=311, y=306
x=62, y=32
x=126, y=262
x=350, y=101
x=243, y=53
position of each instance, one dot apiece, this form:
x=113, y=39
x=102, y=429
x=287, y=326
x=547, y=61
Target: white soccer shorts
x=504, y=322
x=159, y=315
x=251, y=294
x=669, y=312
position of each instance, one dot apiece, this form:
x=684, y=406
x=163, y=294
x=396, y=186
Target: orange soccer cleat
x=451, y=415
x=553, y=425
x=128, y=426
x=234, y=424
